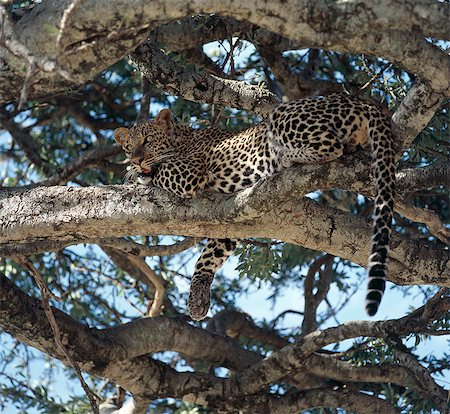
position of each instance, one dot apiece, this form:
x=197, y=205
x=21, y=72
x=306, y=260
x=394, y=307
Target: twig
x=376, y=75
x=46, y=295
x=283, y=314
x=216, y=114
x=155, y=309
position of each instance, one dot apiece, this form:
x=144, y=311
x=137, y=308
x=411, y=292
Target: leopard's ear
x=121, y=135
x=164, y=120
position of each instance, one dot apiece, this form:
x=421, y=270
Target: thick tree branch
x=24, y=318
x=415, y=111
x=423, y=215
x=294, y=402
x=166, y=74
x=416, y=179
x=261, y=211
x=352, y=27
x=347, y=173
x=313, y=300
x=144, y=109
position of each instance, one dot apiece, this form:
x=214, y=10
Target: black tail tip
x=372, y=308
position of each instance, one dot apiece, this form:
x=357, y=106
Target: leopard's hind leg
x=211, y=260
x=321, y=148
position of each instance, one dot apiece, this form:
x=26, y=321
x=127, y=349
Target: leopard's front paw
x=199, y=296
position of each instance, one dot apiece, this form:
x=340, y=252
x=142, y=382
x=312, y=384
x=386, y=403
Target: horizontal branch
x=87, y=160
x=23, y=317
x=422, y=215
x=25, y=142
x=421, y=178
x=294, y=402
x=71, y=214
x=318, y=365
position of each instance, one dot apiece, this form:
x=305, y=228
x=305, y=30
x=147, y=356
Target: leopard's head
x=147, y=145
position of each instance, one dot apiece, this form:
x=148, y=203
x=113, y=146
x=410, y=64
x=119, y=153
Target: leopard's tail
x=382, y=141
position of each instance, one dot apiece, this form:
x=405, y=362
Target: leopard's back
x=240, y=160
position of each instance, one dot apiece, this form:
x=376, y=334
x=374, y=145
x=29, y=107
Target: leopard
x=187, y=161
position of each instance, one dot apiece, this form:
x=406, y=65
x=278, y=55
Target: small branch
x=312, y=301
x=374, y=76
x=46, y=295
x=291, y=358
x=233, y=324
x=136, y=249
x=431, y=304
x=425, y=216
x=145, y=100
x=299, y=401
x=344, y=371
x=155, y=309
x=31, y=71
x=421, y=374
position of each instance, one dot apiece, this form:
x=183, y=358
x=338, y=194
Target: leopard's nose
x=137, y=156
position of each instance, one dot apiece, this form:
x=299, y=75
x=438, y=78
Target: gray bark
x=112, y=29
x=268, y=210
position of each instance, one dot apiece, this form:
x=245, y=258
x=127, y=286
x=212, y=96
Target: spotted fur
x=188, y=161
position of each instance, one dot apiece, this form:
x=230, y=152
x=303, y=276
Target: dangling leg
x=211, y=260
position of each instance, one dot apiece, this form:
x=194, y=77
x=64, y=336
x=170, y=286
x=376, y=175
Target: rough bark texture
x=77, y=214
x=110, y=30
